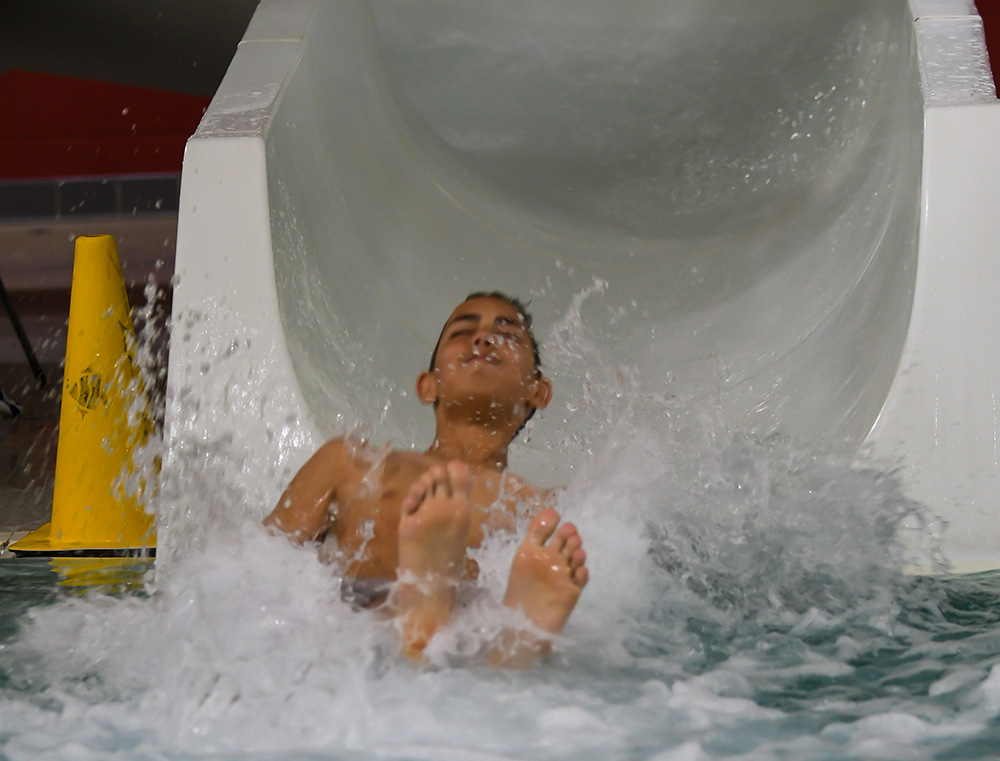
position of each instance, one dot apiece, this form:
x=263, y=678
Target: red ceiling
x=54, y=126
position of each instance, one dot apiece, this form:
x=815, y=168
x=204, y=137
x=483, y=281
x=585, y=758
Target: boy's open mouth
x=488, y=358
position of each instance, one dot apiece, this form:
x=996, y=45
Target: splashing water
x=746, y=601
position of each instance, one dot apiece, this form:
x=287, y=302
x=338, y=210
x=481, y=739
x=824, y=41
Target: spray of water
x=743, y=596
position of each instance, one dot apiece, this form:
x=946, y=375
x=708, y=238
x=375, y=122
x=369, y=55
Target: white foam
x=724, y=569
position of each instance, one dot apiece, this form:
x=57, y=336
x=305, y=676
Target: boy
x=410, y=518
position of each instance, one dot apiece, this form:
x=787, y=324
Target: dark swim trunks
x=365, y=593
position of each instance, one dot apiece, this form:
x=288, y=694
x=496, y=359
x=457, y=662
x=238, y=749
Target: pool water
x=747, y=600
x=745, y=603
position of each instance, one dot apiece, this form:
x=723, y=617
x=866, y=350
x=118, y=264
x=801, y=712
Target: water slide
x=780, y=210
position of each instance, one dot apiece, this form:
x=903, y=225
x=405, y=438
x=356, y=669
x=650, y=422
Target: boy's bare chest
x=366, y=516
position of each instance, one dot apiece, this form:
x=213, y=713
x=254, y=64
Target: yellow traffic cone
x=91, y=512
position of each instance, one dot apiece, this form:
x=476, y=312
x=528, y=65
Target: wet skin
x=388, y=513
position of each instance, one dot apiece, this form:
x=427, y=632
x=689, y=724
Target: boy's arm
x=303, y=510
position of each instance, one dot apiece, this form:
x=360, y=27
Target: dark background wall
x=177, y=45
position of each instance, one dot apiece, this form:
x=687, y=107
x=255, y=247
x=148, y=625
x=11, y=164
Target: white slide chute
x=791, y=206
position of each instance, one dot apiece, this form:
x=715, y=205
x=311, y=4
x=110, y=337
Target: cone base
x=40, y=543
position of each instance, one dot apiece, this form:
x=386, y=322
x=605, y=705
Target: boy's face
x=485, y=354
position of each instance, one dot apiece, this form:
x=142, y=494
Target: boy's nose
x=484, y=338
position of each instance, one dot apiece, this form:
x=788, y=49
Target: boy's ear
x=426, y=388
x=541, y=393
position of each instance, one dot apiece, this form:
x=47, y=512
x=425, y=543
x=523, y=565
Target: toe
x=542, y=526
x=416, y=494
x=438, y=484
x=577, y=558
x=580, y=576
x=459, y=477
x=570, y=539
x=575, y=542
x=563, y=536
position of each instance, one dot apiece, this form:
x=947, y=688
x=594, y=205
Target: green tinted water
x=232, y=662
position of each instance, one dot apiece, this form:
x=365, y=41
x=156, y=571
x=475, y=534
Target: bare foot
x=546, y=578
x=433, y=533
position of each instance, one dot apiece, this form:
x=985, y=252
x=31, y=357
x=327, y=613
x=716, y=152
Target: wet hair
x=522, y=310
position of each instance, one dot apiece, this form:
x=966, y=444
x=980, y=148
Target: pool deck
x=27, y=451
x=28, y=442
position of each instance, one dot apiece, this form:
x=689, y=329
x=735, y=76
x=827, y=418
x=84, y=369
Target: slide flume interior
x=745, y=182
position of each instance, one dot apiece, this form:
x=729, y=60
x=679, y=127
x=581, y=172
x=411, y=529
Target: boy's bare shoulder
x=360, y=457
x=406, y=457
x=336, y=452
x=344, y=456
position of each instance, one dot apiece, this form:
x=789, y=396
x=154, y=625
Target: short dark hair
x=522, y=309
